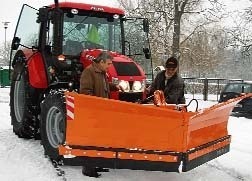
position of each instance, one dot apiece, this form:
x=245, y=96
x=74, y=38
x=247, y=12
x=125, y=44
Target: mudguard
x=117, y=134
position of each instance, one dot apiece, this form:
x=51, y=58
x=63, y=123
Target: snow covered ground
x=23, y=160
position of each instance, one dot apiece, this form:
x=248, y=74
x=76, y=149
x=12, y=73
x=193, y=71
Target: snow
x=23, y=160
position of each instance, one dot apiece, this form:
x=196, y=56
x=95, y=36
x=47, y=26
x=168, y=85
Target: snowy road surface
x=23, y=160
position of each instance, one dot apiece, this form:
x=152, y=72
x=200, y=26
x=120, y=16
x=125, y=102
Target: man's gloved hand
x=147, y=90
x=120, y=88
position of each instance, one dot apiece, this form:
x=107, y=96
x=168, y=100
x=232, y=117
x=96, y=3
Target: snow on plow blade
x=116, y=134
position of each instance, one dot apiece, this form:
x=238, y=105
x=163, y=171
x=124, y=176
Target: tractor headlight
x=137, y=86
x=124, y=84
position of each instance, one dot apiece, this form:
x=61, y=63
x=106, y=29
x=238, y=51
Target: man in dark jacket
x=170, y=82
x=93, y=79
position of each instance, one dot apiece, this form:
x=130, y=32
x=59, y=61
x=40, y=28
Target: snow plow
x=116, y=134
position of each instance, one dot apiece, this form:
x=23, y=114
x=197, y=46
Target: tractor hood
x=123, y=67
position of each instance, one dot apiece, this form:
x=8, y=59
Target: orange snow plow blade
x=116, y=134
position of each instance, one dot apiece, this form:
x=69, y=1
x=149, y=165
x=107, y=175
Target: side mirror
x=147, y=53
x=146, y=25
x=15, y=43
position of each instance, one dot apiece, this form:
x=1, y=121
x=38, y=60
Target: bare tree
x=203, y=52
x=159, y=13
x=166, y=17
x=5, y=54
x=240, y=35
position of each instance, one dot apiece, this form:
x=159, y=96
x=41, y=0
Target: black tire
x=22, y=117
x=53, y=124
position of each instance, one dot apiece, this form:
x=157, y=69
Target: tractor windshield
x=87, y=31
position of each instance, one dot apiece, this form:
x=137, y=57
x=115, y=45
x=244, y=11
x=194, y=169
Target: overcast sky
x=9, y=11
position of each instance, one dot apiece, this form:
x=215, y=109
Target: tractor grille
x=131, y=84
x=130, y=97
x=126, y=69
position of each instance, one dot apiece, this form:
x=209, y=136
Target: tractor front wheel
x=53, y=124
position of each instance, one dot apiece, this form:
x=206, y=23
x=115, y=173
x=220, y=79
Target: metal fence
x=205, y=88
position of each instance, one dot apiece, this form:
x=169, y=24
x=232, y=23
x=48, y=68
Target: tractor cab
x=63, y=37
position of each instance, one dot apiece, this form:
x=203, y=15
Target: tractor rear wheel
x=22, y=117
x=53, y=124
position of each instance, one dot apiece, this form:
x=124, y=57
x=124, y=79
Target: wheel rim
x=54, y=126
x=19, y=99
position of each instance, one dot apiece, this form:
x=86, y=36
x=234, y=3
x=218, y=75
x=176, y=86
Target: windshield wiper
x=78, y=24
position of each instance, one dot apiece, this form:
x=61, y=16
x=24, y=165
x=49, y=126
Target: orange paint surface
x=116, y=124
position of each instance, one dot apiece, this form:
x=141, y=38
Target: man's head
x=104, y=59
x=171, y=66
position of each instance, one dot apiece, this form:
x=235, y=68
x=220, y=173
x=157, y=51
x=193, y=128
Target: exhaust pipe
x=56, y=2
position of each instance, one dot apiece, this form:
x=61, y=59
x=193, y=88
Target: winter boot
x=100, y=169
x=90, y=171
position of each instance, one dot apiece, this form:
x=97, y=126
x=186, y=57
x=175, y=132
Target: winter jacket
x=94, y=81
x=173, y=90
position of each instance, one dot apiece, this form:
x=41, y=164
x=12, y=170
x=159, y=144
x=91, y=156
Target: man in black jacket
x=170, y=82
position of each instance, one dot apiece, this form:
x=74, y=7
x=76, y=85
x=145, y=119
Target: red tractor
x=51, y=47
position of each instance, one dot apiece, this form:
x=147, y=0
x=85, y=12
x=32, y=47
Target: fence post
x=218, y=89
x=205, y=89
